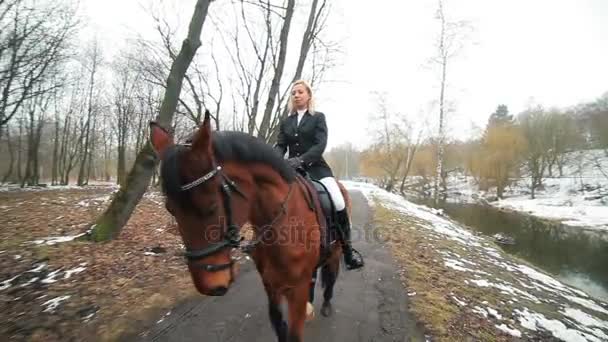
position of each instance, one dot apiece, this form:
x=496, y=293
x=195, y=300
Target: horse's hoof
x=326, y=310
x=310, y=312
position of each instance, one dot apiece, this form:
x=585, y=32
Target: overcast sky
x=549, y=52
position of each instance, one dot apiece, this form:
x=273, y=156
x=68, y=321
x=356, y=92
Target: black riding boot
x=352, y=258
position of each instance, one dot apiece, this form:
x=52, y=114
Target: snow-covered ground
x=578, y=198
x=567, y=313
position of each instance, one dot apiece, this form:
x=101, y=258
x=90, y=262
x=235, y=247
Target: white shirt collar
x=301, y=113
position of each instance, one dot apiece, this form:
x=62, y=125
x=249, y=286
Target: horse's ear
x=202, y=138
x=159, y=138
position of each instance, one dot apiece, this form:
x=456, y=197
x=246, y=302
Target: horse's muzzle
x=218, y=291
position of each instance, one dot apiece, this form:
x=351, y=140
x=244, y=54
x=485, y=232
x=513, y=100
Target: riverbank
x=577, y=198
x=463, y=286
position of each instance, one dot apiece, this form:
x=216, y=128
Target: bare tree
x=34, y=37
x=11, y=152
x=450, y=41
x=124, y=102
x=93, y=60
x=110, y=223
x=35, y=108
x=535, y=128
x=412, y=141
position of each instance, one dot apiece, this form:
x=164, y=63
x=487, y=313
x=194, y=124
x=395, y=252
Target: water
x=575, y=256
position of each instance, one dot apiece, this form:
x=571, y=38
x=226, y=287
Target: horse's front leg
x=297, y=298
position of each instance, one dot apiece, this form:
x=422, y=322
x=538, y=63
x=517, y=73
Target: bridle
x=231, y=237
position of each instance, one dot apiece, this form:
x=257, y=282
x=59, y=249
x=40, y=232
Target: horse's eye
x=209, y=211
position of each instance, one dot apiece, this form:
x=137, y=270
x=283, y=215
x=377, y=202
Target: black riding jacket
x=306, y=140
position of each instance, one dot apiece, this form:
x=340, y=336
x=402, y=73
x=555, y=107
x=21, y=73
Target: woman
x=304, y=133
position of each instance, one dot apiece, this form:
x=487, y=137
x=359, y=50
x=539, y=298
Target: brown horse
x=223, y=180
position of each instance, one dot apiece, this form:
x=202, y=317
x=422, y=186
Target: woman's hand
x=295, y=162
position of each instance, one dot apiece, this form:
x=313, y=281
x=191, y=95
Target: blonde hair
x=311, y=101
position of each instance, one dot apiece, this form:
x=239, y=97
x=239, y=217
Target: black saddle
x=329, y=233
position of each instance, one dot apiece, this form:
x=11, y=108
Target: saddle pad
x=314, y=202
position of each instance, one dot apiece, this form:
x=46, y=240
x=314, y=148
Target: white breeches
x=334, y=192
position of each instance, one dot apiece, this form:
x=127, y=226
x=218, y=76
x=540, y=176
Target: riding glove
x=295, y=162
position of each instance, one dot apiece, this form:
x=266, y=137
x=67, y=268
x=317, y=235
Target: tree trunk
x=500, y=187
x=93, y=145
x=440, y=148
x=63, y=151
x=121, y=169
x=411, y=151
x=19, y=151
x=276, y=80
x=55, y=166
x=111, y=222
x=11, y=153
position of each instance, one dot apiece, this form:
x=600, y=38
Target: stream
x=576, y=256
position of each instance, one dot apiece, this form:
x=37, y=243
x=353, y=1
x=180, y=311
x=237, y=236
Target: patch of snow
x=53, y=240
x=8, y=282
x=455, y=264
x=38, y=268
x=584, y=318
x=480, y=311
x=98, y=200
x=533, y=320
x=509, y=330
x=52, y=304
x=481, y=283
x=494, y=313
x=507, y=289
x=51, y=277
x=76, y=270
x=459, y=302
x=88, y=317
x=17, y=257
x=547, y=280
x=31, y=281
x=493, y=252
x=589, y=304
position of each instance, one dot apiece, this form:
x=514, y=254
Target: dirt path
x=370, y=305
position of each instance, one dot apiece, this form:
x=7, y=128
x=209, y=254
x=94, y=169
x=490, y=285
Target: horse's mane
x=227, y=146
x=239, y=146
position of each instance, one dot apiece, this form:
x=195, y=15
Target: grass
x=435, y=285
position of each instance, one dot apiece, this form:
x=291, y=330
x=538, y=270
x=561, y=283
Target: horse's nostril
x=218, y=291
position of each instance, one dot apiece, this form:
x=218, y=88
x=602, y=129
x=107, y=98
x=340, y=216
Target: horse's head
x=198, y=195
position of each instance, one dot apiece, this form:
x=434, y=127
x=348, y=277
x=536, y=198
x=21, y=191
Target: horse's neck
x=271, y=191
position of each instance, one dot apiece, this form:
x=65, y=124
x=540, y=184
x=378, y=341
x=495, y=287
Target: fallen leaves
x=84, y=290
